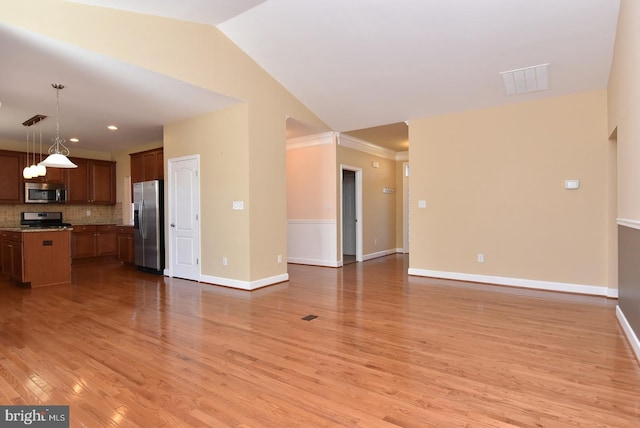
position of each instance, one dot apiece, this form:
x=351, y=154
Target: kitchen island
x=34, y=257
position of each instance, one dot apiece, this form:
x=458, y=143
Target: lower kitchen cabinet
x=12, y=255
x=36, y=258
x=93, y=240
x=126, y=244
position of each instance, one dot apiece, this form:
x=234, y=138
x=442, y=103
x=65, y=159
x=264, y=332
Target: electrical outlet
x=480, y=258
x=88, y=213
x=279, y=258
x=224, y=261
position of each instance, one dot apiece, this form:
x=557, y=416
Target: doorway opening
x=351, y=208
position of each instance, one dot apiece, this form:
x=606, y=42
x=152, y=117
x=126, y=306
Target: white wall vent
x=523, y=80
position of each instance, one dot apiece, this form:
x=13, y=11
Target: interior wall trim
x=313, y=242
x=634, y=224
x=244, y=285
x=629, y=333
x=365, y=147
x=379, y=254
x=310, y=140
x=314, y=262
x=563, y=287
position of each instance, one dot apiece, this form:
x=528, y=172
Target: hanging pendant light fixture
x=33, y=167
x=26, y=172
x=33, y=171
x=58, y=152
x=41, y=169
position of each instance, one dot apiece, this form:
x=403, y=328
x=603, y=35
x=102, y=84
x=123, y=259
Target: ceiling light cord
x=58, y=146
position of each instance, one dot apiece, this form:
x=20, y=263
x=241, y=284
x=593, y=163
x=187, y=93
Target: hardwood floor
x=131, y=349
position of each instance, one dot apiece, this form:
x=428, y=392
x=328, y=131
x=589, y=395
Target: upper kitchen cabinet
x=92, y=182
x=54, y=175
x=11, y=165
x=147, y=165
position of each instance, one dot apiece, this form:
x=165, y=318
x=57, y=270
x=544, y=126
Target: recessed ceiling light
x=112, y=127
x=523, y=80
x=74, y=140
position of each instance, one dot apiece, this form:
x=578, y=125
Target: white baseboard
x=244, y=285
x=378, y=254
x=629, y=333
x=314, y=262
x=523, y=283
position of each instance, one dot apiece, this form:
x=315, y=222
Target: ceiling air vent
x=525, y=80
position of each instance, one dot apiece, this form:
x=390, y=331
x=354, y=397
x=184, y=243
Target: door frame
x=169, y=211
x=358, y=171
x=406, y=195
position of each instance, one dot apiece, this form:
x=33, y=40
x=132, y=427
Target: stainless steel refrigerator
x=148, y=223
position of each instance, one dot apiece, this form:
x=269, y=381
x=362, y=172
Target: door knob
x=173, y=225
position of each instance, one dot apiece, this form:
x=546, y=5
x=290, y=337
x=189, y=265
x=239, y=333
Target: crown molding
x=345, y=141
x=634, y=224
x=311, y=140
x=365, y=146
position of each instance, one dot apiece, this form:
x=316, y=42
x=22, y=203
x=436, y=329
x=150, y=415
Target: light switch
x=571, y=184
x=422, y=204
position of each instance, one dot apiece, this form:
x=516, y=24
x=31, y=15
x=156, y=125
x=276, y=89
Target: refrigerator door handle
x=141, y=220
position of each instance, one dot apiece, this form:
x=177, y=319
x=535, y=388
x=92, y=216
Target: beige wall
x=493, y=181
x=624, y=110
x=200, y=55
x=311, y=182
x=378, y=208
x=221, y=140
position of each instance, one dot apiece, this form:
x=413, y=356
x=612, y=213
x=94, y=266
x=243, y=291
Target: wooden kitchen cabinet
x=107, y=240
x=54, y=175
x=147, y=165
x=83, y=242
x=92, y=182
x=126, y=247
x=36, y=258
x=12, y=255
x=88, y=241
x=11, y=189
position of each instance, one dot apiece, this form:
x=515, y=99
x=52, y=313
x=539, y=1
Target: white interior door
x=184, y=217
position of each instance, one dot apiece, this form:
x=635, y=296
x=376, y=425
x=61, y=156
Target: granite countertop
x=16, y=227
x=36, y=229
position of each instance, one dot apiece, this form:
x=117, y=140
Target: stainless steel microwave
x=44, y=193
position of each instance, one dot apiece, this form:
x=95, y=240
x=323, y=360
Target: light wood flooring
x=131, y=349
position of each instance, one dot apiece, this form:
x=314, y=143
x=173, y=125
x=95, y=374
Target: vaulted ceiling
x=356, y=64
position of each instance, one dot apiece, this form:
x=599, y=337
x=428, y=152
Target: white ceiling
x=356, y=64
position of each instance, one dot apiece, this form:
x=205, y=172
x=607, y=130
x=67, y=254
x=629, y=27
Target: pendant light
x=32, y=171
x=58, y=152
x=33, y=167
x=26, y=172
x=41, y=169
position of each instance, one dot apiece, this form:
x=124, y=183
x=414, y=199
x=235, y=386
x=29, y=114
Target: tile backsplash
x=74, y=214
